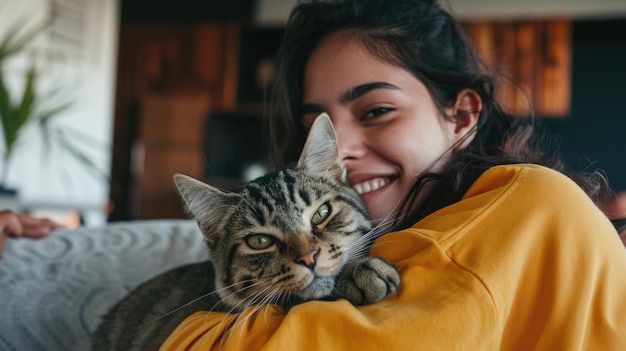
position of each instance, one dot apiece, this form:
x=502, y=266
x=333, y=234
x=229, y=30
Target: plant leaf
x=10, y=45
x=78, y=154
x=6, y=114
x=45, y=117
x=14, y=117
x=25, y=108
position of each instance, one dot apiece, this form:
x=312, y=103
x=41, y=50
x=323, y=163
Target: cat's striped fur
x=287, y=236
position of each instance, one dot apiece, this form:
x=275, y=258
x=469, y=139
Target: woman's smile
x=370, y=185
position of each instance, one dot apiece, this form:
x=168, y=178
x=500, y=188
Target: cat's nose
x=309, y=259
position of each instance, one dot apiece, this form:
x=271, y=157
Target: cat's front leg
x=367, y=280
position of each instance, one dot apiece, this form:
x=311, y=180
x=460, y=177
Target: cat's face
x=284, y=235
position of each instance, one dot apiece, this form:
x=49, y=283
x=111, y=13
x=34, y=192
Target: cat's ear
x=203, y=202
x=321, y=153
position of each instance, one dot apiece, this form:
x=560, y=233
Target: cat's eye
x=321, y=214
x=259, y=241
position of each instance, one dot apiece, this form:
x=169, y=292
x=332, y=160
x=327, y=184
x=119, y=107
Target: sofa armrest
x=55, y=290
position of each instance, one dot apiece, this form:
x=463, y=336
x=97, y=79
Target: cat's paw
x=367, y=280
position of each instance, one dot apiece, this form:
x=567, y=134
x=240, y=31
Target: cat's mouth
x=371, y=185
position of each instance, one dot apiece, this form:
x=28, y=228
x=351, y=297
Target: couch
x=54, y=291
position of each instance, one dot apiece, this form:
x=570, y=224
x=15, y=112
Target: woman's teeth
x=370, y=185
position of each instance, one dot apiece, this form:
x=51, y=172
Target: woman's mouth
x=370, y=185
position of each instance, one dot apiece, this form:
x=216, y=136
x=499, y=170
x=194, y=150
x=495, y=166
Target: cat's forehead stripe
x=290, y=182
x=257, y=192
x=305, y=196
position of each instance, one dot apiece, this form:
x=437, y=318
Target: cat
x=294, y=235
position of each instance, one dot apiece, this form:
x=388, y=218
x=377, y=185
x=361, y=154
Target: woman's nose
x=349, y=141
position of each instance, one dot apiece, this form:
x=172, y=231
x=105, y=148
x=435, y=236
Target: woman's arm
x=442, y=301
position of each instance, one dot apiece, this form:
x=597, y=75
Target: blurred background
x=129, y=92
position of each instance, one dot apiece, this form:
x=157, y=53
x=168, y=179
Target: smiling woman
x=485, y=226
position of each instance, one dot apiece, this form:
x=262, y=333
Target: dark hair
x=421, y=37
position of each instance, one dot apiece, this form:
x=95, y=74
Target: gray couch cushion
x=54, y=291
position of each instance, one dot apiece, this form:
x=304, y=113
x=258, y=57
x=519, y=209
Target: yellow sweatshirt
x=524, y=261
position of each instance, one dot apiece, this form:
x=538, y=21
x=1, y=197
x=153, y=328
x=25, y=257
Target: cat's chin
x=319, y=288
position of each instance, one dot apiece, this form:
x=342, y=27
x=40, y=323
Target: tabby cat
x=298, y=234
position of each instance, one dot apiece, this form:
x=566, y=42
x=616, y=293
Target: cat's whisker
x=257, y=301
x=278, y=296
x=362, y=246
x=198, y=299
x=251, y=300
x=360, y=249
x=283, y=299
x=387, y=223
x=272, y=297
x=379, y=230
x=385, y=226
x=257, y=304
x=256, y=284
x=179, y=308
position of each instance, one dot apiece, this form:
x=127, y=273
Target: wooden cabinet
x=534, y=60
x=169, y=142
x=169, y=76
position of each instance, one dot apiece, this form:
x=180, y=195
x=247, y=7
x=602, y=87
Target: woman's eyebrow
x=350, y=95
x=363, y=89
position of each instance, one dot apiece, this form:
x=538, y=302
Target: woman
x=494, y=250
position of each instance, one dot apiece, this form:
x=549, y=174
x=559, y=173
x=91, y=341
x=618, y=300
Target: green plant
x=32, y=108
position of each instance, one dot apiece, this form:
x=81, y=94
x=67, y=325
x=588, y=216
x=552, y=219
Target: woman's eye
x=321, y=214
x=376, y=112
x=259, y=241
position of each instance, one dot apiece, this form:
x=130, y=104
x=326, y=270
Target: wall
x=277, y=11
x=86, y=45
x=594, y=134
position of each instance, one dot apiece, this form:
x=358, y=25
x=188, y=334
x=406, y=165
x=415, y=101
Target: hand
x=17, y=224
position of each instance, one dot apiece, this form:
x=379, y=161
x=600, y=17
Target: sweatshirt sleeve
x=437, y=304
x=497, y=270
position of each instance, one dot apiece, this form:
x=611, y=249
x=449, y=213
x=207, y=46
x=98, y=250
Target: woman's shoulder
x=512, y=194
x=526, y=202
x=527, y=180
x=531, y=194
x=516, y=197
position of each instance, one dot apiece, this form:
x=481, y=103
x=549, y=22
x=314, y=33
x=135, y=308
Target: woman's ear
x=465, y=112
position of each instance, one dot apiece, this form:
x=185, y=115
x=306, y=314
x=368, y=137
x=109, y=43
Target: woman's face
x=388, y=127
